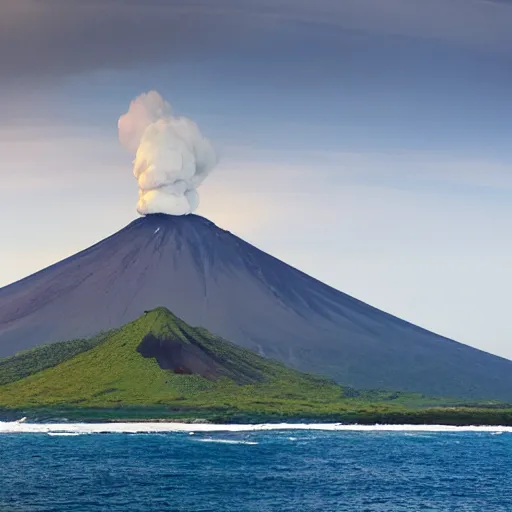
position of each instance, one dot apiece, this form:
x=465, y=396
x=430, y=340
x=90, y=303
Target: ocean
x=200, y=468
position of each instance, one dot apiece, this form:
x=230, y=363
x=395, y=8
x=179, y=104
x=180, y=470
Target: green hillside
x=42, y=357
x=160, y=367
x=115, y=372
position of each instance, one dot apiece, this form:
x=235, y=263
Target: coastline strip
x=17, y=427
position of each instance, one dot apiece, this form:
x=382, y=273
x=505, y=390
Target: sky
x=366, y=142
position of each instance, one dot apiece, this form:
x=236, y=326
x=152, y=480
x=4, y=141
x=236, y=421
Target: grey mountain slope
x=213, y=279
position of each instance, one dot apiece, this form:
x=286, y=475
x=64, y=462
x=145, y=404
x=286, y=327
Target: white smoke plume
x=172, y=158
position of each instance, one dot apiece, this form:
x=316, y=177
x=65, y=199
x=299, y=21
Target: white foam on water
x=148, y=427
x=225, y=441
x=65, y=433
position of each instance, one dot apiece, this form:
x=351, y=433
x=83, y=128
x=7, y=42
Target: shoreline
x=65, y=414
x=21, y=427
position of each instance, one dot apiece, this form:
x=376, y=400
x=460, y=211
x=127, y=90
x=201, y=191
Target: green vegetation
x=109, y=378
x=42, y=357
x=114, y=372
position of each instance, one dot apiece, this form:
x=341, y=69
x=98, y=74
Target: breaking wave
x=159, y=427
x=66, y=433
x=225, y=441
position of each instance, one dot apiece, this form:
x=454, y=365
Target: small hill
x=160, y=367
x=157, y=359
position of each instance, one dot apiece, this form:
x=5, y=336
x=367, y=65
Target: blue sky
x=366, y=143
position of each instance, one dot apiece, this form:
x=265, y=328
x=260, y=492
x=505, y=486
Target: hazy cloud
x=57, y=37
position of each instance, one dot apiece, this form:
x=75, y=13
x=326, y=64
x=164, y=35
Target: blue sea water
x=257, y=471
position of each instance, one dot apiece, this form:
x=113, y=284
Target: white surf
x=148, y=427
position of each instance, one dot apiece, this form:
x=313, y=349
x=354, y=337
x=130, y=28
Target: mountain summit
x=213, y=279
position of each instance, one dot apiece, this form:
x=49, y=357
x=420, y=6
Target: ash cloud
x=172, y=158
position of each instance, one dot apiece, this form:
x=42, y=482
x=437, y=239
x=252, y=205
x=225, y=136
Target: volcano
x=212, y=279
